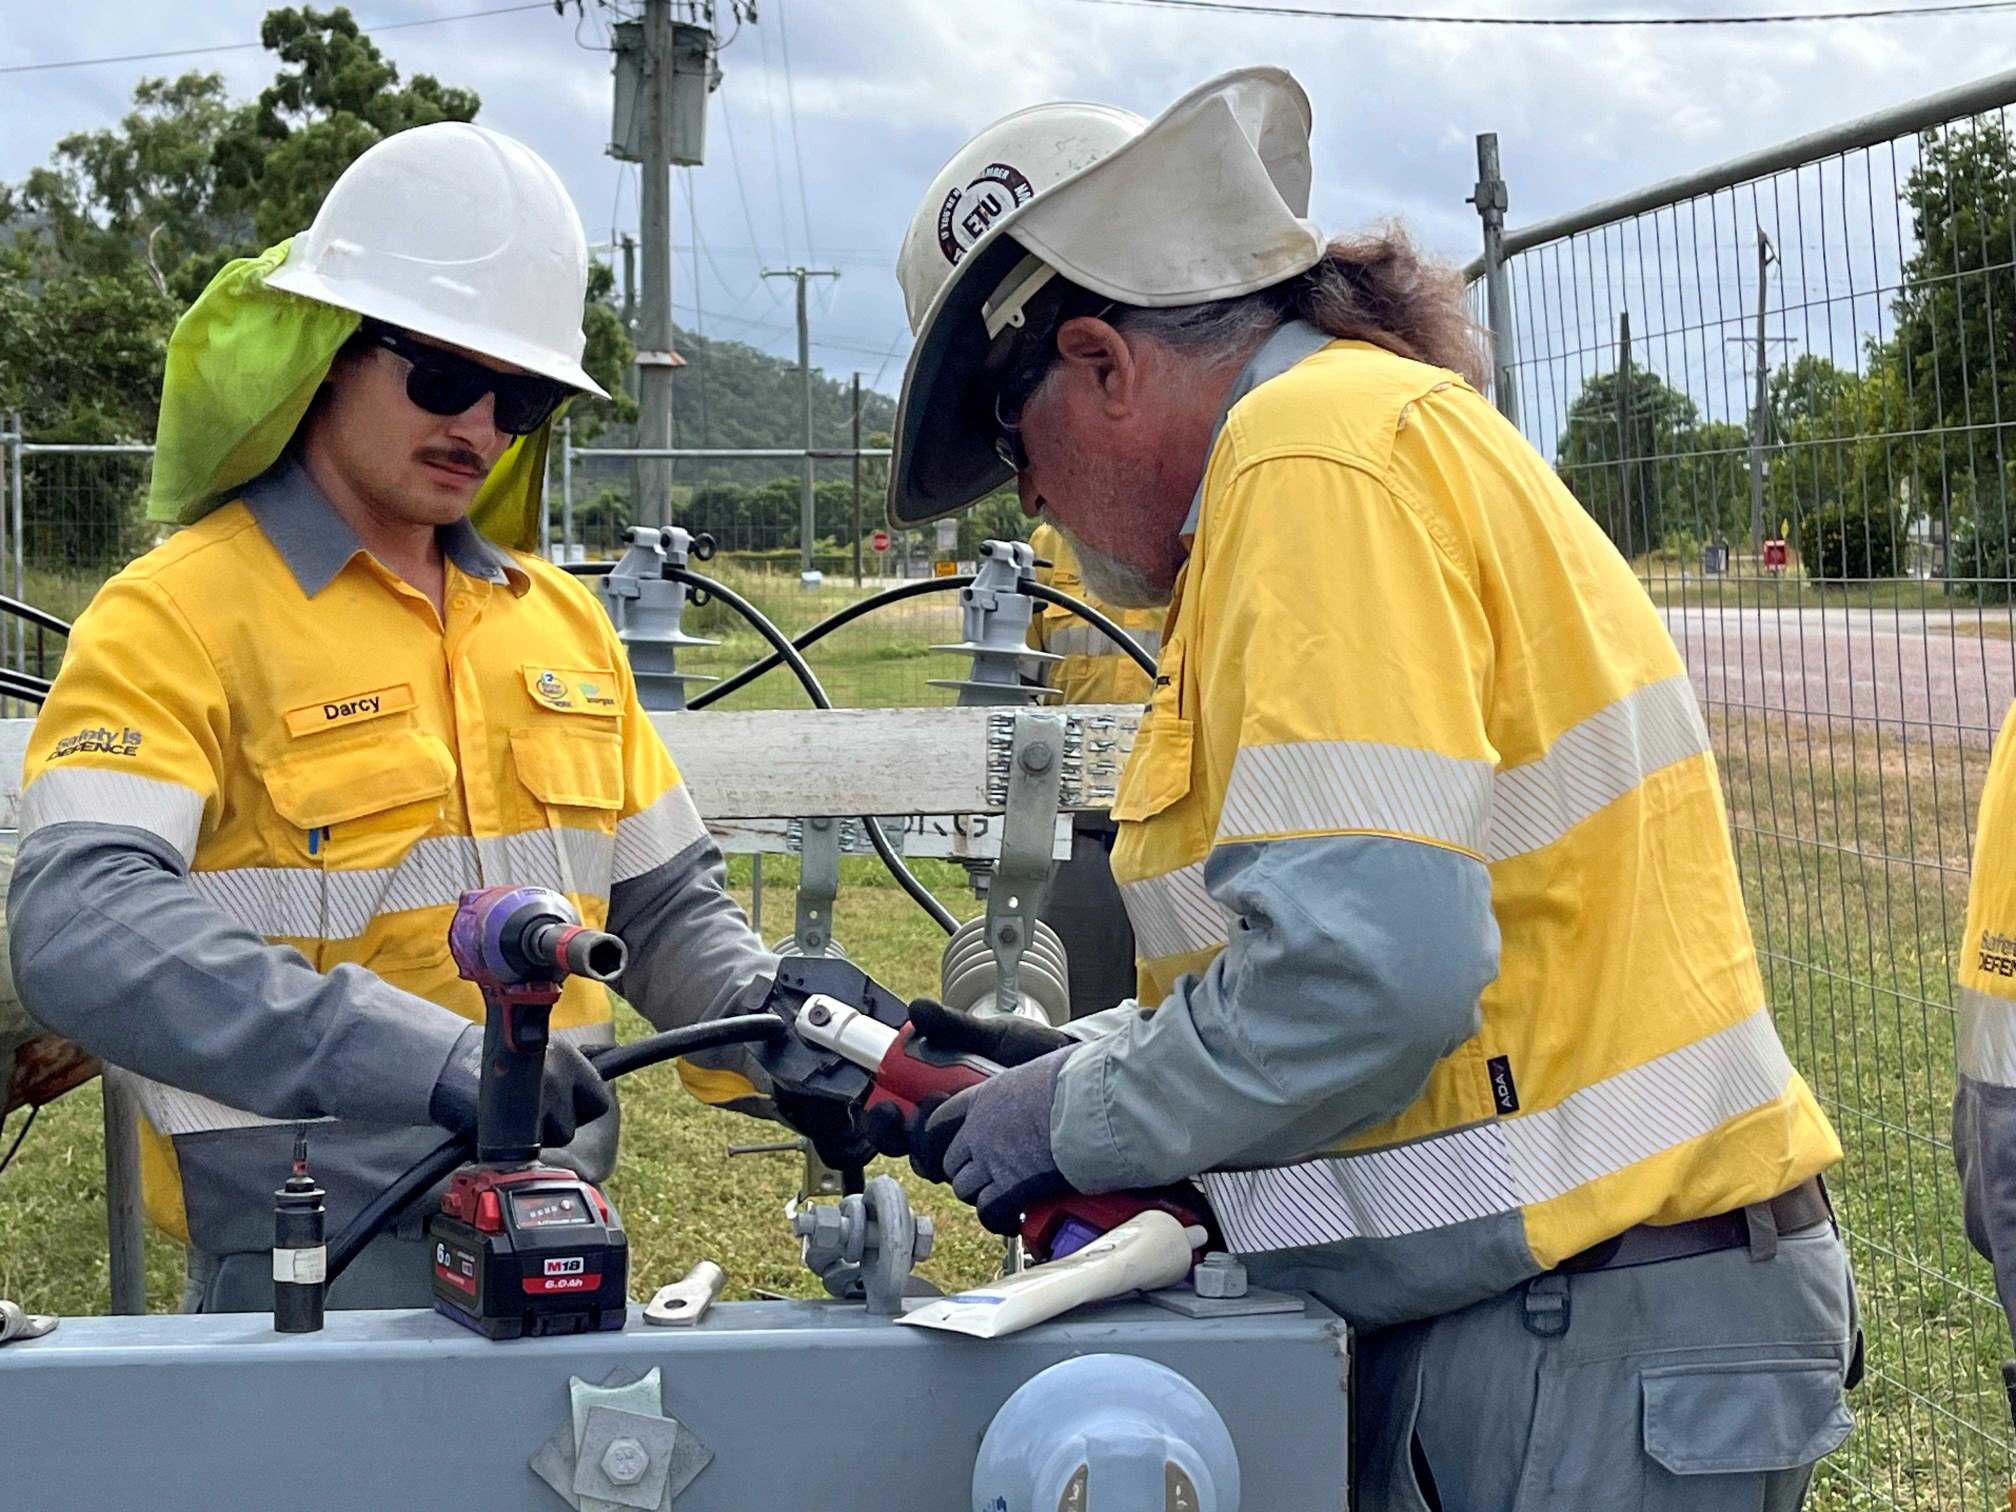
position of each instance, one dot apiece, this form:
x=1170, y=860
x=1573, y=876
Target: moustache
x=452, y=456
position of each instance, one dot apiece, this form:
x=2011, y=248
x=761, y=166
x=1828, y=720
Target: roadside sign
x=879, y=540
x=943, y=568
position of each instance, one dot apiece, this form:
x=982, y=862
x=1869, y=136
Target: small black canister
x=300, y=1260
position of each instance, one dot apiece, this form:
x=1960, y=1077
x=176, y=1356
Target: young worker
x=282, y=743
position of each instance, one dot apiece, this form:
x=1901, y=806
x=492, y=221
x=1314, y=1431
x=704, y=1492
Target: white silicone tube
x=1147, y=1251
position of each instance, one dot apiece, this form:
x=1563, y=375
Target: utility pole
x=655, y=357
x=1763, y=413
x=807, y=578
x=857, y=480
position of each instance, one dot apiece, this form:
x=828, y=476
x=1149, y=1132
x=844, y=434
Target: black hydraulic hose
x=905, y=878
x=827, y=626
x=1120, y=638
x=611, y=1061
x=33, y=615
x=20, y=685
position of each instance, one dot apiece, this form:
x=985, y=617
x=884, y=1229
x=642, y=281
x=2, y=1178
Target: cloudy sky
x=882, y=91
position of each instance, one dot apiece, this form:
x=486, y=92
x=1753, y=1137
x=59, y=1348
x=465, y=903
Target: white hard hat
x=459, y=233
x=1208, y=201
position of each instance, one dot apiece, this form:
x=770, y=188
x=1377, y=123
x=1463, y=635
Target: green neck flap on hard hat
x=243, y=367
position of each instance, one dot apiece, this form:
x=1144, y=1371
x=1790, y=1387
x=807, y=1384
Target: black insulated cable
x=611, y=1061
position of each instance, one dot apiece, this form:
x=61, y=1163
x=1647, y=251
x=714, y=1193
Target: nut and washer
x=1219, y=1275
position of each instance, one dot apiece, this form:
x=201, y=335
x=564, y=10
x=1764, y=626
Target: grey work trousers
x=390, y=1271
x=1710, y=1384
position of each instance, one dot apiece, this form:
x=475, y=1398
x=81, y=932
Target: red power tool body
x=906, y=1071
x=520, y=1247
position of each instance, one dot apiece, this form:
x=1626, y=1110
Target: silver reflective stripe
x=649, y=838
x=1594, y=764
x=1984, y=1038
x=173, y=1111
x=93, y=795
x=1504, y=1166
x=1329, y=786
x=1081, y=638
x=308, y=903
x=1174, y=914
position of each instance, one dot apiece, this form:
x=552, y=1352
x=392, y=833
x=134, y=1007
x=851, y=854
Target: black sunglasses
x=442, y=383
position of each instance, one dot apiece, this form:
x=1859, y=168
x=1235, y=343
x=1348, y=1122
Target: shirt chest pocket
x=1157, y=774
x=572, y=779
x=361, y=800
x=352, y=808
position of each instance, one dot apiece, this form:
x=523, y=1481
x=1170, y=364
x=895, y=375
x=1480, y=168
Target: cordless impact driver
x=519, y=1247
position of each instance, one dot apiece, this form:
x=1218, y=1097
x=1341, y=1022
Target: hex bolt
x=1219, y=1275
x=625, y=1461
x=1037, y=756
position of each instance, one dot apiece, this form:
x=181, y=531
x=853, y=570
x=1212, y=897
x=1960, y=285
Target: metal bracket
x=819, y=845
x=1035, y=748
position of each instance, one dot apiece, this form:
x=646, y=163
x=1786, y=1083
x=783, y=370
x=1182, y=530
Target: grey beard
x=1111, y=580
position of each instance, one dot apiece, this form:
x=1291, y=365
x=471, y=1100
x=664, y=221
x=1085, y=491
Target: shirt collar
x=316, y=542
x=1285, y=346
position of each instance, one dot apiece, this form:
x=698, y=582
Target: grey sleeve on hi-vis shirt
x=693, y=956
x=112, y=948
x=1354, y=964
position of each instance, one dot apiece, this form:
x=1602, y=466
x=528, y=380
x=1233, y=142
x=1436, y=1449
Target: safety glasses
x=442, y=383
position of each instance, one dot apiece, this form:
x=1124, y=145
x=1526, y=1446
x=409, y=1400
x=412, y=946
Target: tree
x=335, y=95
x=1955, y=312
x=1608, y=461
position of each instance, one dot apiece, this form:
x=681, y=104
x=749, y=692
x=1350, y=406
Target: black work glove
x=836, y=1138
x=1006, y=1039
x=571, y=1091
x=993, y=1142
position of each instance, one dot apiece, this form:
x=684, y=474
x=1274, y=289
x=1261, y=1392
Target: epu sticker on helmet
x=968, y=213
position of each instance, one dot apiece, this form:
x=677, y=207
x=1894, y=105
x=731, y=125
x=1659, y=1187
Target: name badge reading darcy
x=349, y=709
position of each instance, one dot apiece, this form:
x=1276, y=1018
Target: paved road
x=1918, y=674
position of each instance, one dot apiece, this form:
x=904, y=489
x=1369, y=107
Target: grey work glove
x=993, y=1142
x=1004, y=1038
x=571, y=1093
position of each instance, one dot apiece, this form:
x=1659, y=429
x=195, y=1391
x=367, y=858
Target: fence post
x=124, y=1243
x=1491, y=201
x=18, y=642
x=1624, y=424
x=857, y=480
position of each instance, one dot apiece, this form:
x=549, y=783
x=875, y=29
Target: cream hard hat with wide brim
x=1208, y=201
x=456, y=232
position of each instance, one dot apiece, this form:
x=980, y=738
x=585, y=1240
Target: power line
x=797, y=152
x=776, y=153
x=1312, y=13
x=190, y=52
x=741, y=188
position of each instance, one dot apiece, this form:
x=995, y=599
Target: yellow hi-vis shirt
x=334, y=764
x=1395, y=622
x=1094, y=670
x=1984, y=1048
